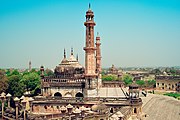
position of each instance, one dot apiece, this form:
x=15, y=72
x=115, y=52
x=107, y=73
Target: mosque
x=70, y=77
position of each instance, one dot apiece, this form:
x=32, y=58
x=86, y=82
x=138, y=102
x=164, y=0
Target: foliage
x=151, y=83
x=140, y=82
x=3, y=81
x=15, y=72
x=16, y=88
x=19, y=83
x=109, y=77
x=31, y=81
x=175, y=95
x=127, y=79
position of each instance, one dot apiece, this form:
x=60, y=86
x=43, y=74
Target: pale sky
x=134, y=33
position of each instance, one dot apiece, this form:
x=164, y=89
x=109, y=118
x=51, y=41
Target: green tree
x=140, y=82
x=109, y=77
x=31, y=81
x=151, y=83
x=127, y=79
x=3, y=81
x=15, y=72
x=16, y=88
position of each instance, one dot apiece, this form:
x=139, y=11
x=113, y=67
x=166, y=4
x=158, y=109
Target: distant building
x=168, y=83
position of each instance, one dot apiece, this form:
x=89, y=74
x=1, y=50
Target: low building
x=167, y=83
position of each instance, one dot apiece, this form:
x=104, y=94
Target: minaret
x=90, y=63
x=98, y=54
x=29, y=66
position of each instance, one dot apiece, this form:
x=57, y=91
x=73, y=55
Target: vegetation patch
x=175, y=95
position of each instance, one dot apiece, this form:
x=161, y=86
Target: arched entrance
x=57, y=94
x=79, y=94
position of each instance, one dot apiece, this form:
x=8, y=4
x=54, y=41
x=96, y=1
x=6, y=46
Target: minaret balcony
x=89, y=48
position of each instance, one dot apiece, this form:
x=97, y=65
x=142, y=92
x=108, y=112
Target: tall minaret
x=90, y=63
x=98, y=54
x=29, y=66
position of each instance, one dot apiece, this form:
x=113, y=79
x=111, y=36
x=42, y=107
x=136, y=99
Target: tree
x=16, y=88
x=3, y=81
x=127, y=79
x=15, y=72
x=109, y=77
x=31, y=81
x=151, y=83
x=140, y=82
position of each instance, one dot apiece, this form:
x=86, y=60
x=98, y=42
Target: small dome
x=64, y=61
x=98, y=106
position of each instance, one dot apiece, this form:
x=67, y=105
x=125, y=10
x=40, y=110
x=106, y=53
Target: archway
x=79, y=94
x=57, y=94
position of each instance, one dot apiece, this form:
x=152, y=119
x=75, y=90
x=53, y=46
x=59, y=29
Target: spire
x=71, y=51
x=89, y=6
x=77, y=57
x=97, y=34
x=64, y=53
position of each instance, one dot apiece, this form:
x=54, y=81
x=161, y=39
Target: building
x=169, y=83
x=72, y=79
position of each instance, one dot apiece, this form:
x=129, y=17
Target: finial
x=71, y=50
x=64, y=53
x=89, y=6
x=97, y=34
x=77, y=57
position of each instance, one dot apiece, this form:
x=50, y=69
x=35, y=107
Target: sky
x=134, y=33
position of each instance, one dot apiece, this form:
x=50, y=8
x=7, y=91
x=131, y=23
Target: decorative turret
x=71, y=51
x=135, y=101
x=77, y=57
x=64, y=53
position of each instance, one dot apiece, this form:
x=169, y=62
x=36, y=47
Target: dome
x=98, y=106
x=64, y=61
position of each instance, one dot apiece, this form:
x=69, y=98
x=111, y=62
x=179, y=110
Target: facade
x=169, y=83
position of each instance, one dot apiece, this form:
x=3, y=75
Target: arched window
x=79, y=94
x=57, y=94
x=135, y=110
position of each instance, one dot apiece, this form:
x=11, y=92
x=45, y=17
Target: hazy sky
x=133, y=32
